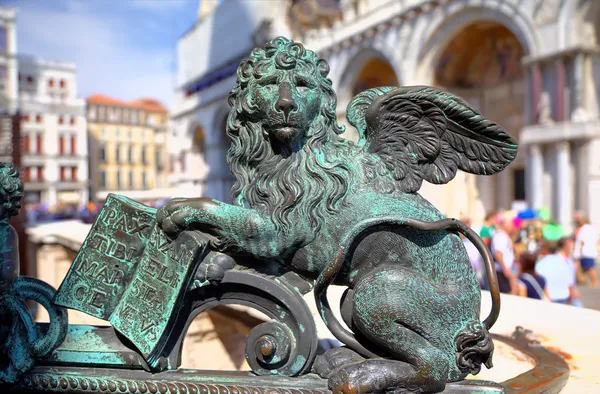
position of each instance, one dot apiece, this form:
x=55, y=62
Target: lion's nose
x=285, y=103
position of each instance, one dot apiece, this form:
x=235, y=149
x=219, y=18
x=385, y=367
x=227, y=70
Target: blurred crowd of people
x=42, y=213
x=535, y=257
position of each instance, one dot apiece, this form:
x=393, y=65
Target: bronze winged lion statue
x=349, y=214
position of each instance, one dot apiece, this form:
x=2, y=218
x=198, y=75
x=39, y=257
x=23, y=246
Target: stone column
x=581, y=175
x=486, y=186
x=504, y=189
x=578, y=88
x=559, y=99
x=527, y=110
x=535, y=177
x=536, y=92
x=563, y=186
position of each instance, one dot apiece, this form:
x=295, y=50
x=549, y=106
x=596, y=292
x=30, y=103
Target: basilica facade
x=533, y=66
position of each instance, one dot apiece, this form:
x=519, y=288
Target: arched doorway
x=375, y=72
x=219, y=180
x=189, y=165
x=198, y=139
x=482, y=64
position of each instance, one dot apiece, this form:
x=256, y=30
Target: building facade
x=128, y=147
x=8, y=61
x=53, y=130
x=531, y=66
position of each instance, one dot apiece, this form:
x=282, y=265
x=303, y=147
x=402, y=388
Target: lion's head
x=286, y=153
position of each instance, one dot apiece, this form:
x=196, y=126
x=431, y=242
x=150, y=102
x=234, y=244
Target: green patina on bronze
x=149, y=306
x=103, y=269
x=129, y=273
x=300, y=189
x=308, y=206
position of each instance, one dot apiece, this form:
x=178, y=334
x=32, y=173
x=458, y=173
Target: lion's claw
x=354, y=378
x=328, y=363
x=172, y=217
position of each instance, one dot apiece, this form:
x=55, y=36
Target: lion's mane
x=312, y=181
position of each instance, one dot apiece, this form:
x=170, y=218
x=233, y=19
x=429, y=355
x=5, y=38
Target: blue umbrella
x=527, y=214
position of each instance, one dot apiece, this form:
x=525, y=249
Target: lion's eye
x=302, y=85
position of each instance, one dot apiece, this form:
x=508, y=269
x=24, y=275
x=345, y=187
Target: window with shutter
x=26, y=144
x=39, y=144
x=61, y=145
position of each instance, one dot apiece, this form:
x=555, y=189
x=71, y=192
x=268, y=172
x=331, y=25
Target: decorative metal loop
x=286, y=346
x=26, y=342
x=269, y=347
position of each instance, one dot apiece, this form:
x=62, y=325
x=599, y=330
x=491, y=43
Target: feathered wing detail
x=422, y=133
x=355, y=112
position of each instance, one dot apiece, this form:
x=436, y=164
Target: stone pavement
x=591, y=297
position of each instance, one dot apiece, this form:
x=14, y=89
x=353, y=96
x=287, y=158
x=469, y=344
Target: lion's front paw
x=173, y=217
x=213, y=268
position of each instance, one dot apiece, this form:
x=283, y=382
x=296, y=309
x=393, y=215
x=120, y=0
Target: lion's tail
x=474, y=346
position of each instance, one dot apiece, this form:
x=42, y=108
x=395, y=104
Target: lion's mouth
x=286, y=133
x=285, y=126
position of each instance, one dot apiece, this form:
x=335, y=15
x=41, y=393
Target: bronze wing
x=423, y=133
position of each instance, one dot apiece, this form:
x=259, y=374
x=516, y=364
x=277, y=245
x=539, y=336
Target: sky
x=125, y=49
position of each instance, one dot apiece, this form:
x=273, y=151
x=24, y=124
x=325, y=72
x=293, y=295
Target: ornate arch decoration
x=446, y=24
x=481, y=54
x=572, y=15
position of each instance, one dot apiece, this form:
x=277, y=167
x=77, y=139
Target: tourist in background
x=565, y=250
x=503, y=253
x=586, y=248
x=554, y=268
x=474, y=257
x=530, y=284
x=487, y=230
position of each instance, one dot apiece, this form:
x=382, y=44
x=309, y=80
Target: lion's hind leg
x=405, y=314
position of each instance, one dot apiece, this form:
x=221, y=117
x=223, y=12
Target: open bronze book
x=128, y=273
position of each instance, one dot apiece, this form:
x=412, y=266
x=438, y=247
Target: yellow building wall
x=150, y=137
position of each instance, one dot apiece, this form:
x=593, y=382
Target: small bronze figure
x=350, y=214
x=11, y=192
x=21, y=342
